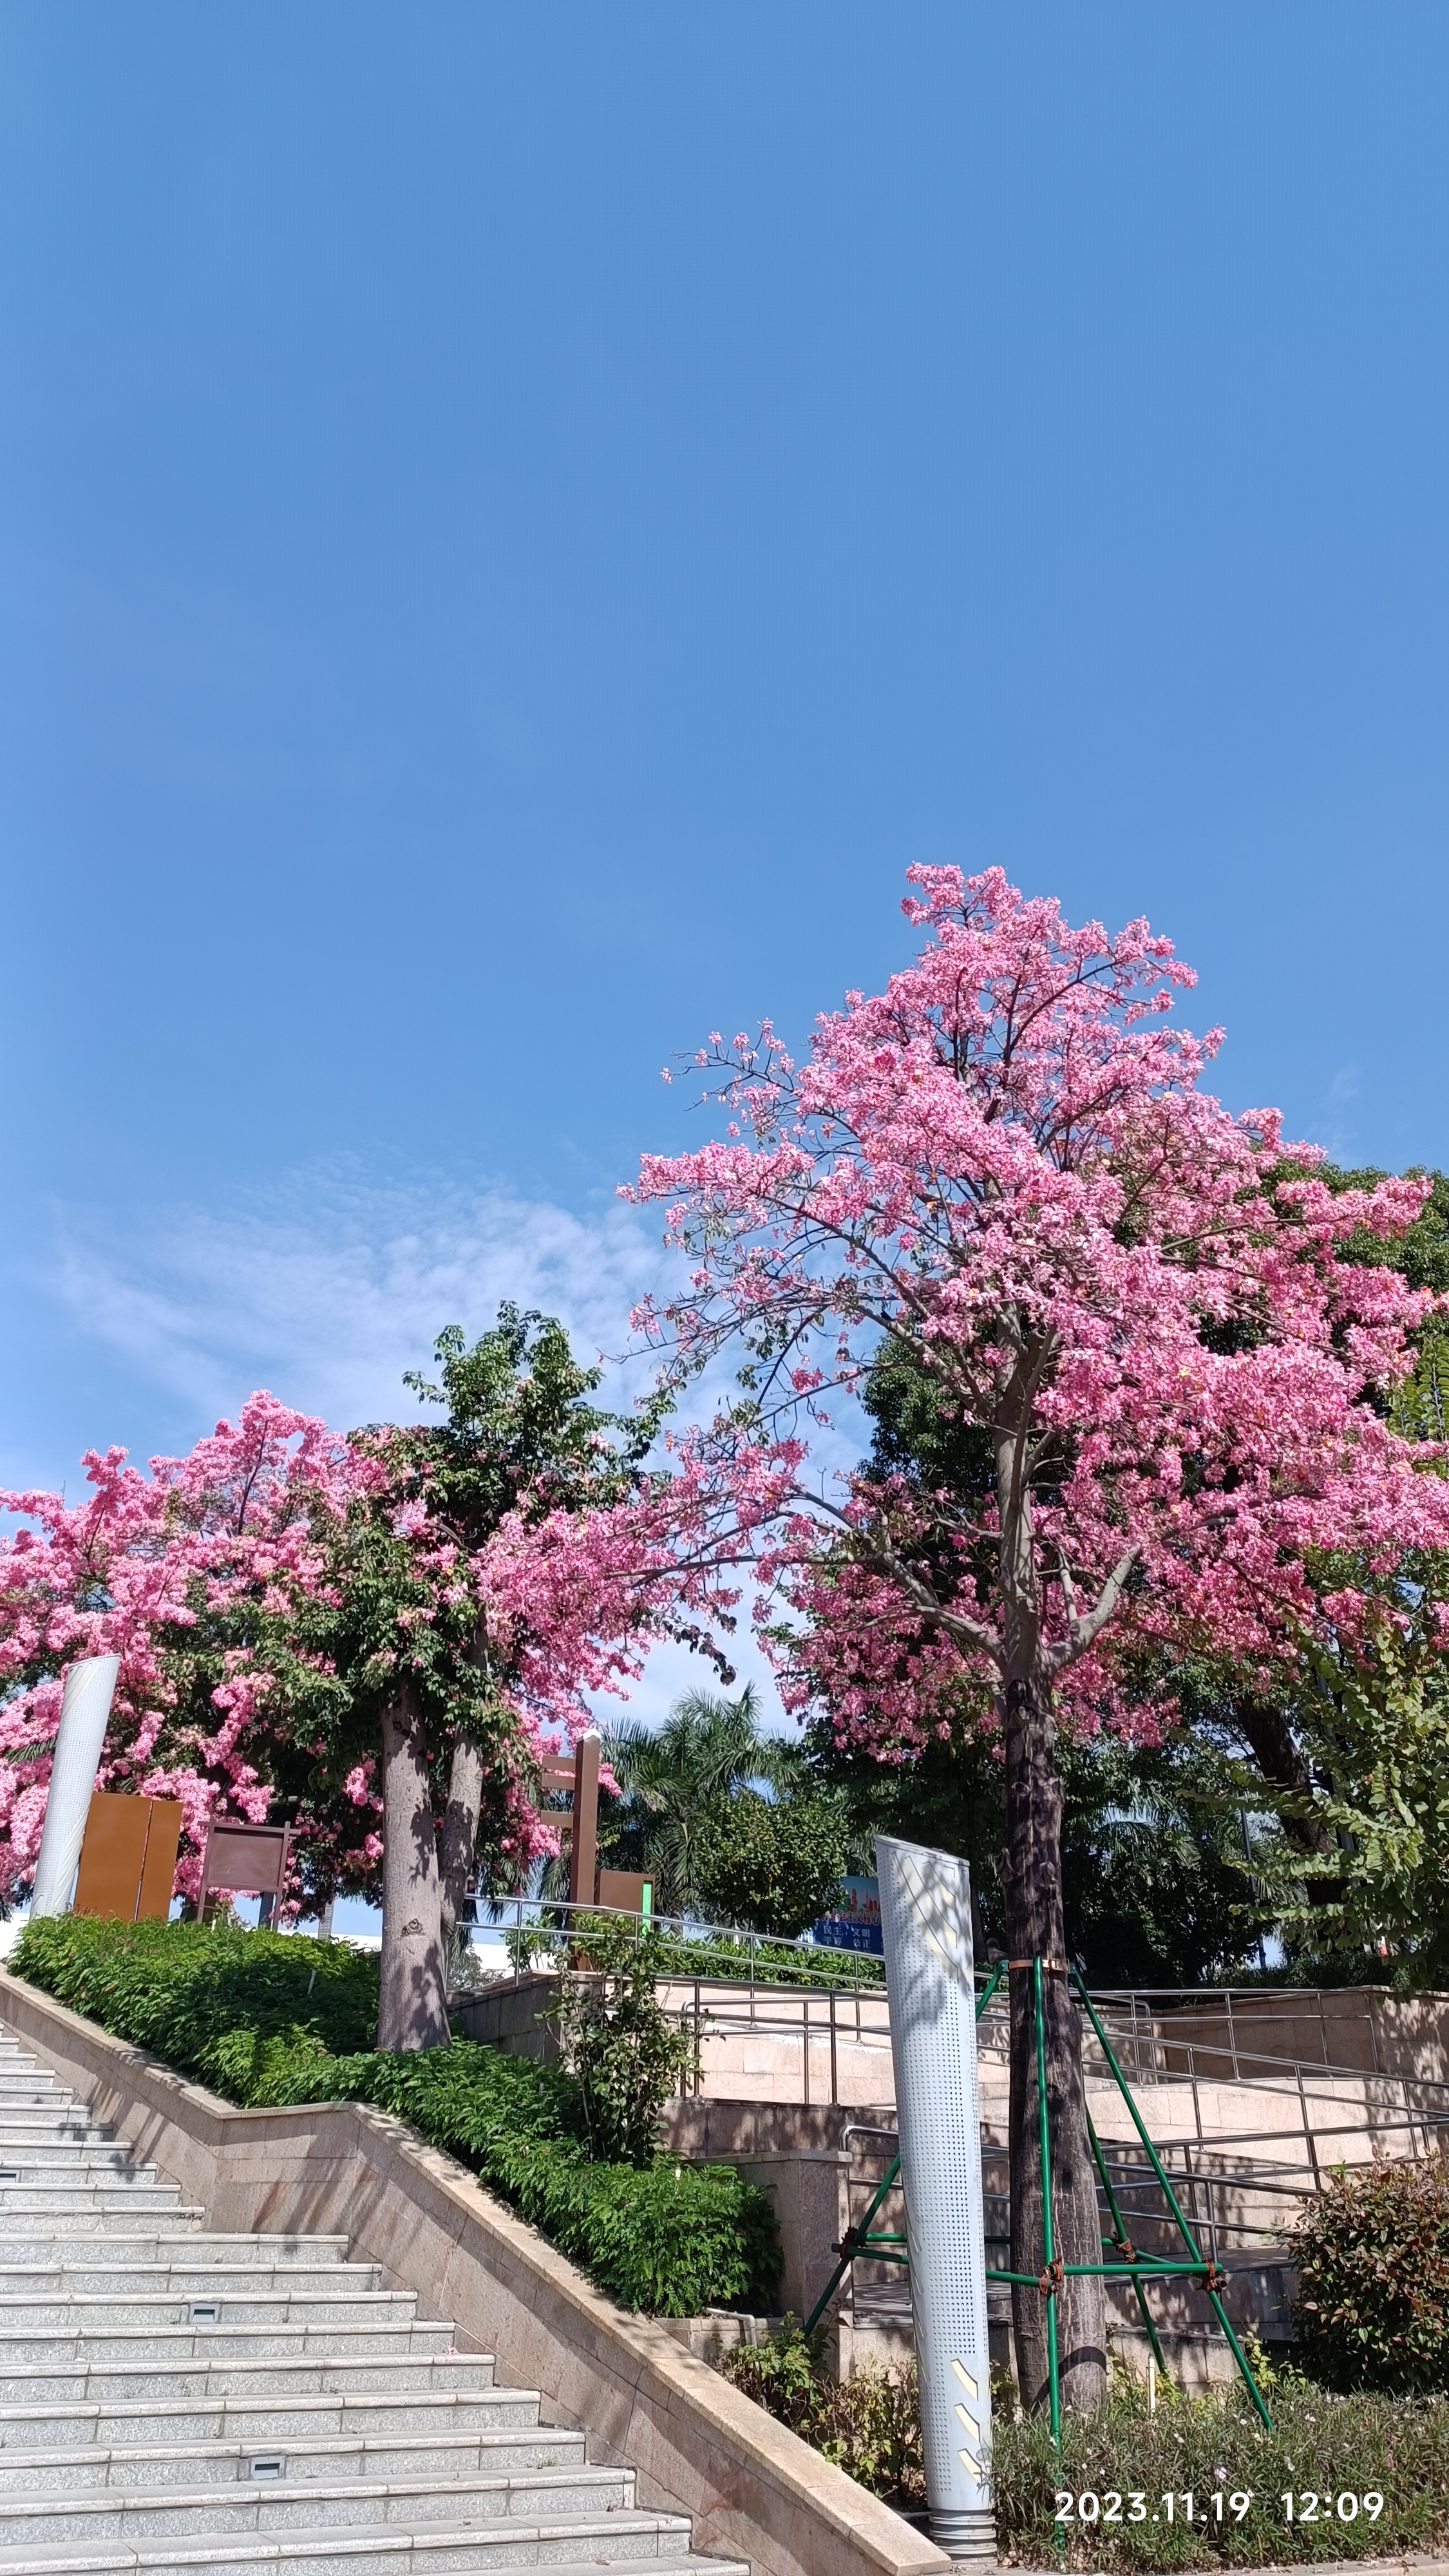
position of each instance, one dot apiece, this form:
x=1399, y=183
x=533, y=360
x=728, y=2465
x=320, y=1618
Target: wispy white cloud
x=330, y=1288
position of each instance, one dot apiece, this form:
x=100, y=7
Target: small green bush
x=1373, y=2297
x=672, y=2239
x=869, y=2425
x=624, y=2052
x=1320, y=2444
x=773, y=1863
x=275, y=2018
x=676, y=1953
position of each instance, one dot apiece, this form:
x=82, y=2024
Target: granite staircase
x=206, y=2405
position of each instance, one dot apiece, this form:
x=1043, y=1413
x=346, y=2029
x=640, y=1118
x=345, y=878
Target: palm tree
x=673, y=1778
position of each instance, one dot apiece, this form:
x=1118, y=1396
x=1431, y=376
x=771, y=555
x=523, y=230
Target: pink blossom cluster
x=132, y=1569
x=153, y=1565
x=1005, y=1165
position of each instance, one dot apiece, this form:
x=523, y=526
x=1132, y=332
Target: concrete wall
x=809, y=2190
x=785, y=2044
x=697, y=2445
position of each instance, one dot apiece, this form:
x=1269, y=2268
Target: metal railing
x=725, y=1982
x=542, y=1934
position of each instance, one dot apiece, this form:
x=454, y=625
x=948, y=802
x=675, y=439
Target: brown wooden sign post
x=622, y=1891
x=241, y=1859
x=580, y=1776
x=584, y=1840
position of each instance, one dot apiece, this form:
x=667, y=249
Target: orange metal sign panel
x=157, y=1878
x=128, y=1858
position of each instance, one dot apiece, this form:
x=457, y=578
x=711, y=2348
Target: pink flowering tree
x=192, y=1572
x=463, y=1687
x=1003, y=1173
x=304, y=1629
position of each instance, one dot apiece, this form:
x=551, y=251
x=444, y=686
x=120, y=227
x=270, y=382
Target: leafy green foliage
x=1373, y=2298
x=519, y=1428
x=1319, y=2444
x=669, y=2238
x=948, y=1796
x=270, y=2019
x=1155, y=1882
x=675, y=1781
x=711, y=1954
x=179, y=1988
x=518, y=1432
x=773, y=1864
x=869, y=2425
x=1378, y=1711
x=623, y=2051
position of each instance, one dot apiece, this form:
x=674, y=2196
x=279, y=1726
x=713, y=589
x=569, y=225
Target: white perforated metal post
x=925, y=1911
x=84, y=1710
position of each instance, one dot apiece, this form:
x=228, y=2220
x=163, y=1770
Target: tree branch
x=1084, y=1627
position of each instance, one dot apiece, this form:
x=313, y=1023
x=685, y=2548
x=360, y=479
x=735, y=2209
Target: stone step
x=254, y=2423
x=104, y=2517
x=98, y=2316
x=58, y=2114
x=59, y=2159
x=87, y=2205
x=152, y=2246
x=441, y=2549
x=22, y=2133
x=176, y=2401
x=42, y=2350
x=214, y=2376
x=67, y=2169
x=483, y=2451
x=84, y=2273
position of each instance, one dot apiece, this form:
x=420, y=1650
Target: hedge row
x=267, y=2018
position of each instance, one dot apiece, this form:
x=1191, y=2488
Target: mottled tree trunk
x=1035, y=1929
x=458, y=1843
x=412, y=2004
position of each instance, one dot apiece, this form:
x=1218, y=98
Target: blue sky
x=520, y=523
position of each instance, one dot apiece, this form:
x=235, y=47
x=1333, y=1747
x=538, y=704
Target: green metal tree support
x=1138, y=2268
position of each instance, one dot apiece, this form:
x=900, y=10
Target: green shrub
x=178, y=1987
x=869, y=2425
x=624, y=2052
x=1373, y=2298
x=737, y=1958
x=1320, y=2444
x=274, y=2018
x=773, y=1863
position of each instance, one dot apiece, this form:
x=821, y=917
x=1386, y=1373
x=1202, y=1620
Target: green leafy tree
x=673, y=1783
x=1156, y=1885
x=619, y=2044
x=773, y=1864
x=1361, y=1877
x=408, y=1642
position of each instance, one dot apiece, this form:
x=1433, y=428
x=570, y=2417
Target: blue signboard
x=853, y=1922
